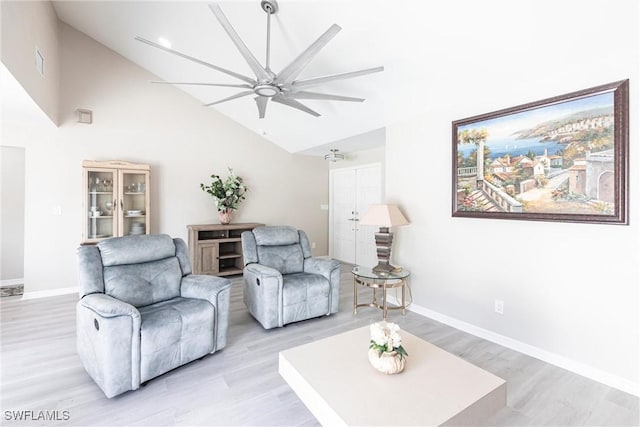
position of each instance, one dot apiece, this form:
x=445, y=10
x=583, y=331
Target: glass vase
x=225, y=216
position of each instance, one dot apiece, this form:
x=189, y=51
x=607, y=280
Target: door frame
x=331, y=173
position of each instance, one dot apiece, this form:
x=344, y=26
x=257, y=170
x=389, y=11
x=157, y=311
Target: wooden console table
x=216, y=249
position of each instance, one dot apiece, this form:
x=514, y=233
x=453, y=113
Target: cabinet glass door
x=135, y=202
x=101, y=204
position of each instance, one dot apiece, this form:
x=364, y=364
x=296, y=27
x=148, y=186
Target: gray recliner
x=282, y=282
x=142, y=313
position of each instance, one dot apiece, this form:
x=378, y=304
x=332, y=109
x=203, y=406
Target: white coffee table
x=335, y=381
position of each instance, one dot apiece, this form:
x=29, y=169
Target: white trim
x=546, y=356
x=11, y=282
x=50, y=293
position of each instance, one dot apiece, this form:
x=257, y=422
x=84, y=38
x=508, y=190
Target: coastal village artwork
x=550, y=158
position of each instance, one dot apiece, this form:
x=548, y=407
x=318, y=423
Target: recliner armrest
x=329, y=269
x=107, y=306
x=203, y=287
x=262, y=270
x=263, y=294
x=216, y=290
x=321, y=266
x=108, y=342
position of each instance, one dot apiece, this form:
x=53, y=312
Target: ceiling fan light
x=334, y=156
x=266, y=90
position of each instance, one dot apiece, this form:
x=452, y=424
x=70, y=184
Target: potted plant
x=386, y=353
x=227, y=194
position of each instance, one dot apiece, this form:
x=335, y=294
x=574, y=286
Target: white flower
x=386, y=335
x=378, y=334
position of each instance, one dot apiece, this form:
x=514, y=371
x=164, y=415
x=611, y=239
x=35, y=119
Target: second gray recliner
x=283, y=283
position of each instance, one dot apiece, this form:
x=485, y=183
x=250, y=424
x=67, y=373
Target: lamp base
x=384, y=240
x=383, y=267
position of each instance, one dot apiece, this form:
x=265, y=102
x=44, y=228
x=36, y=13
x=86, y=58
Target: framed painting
x=559, y=159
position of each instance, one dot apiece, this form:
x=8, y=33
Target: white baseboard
x=11, y=282
x=50, y=293
x=546, y=356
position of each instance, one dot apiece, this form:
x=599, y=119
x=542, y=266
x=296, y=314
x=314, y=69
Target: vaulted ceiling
x=372, y=35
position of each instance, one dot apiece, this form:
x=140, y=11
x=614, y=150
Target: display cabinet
x=216, y=249
x=116, y=199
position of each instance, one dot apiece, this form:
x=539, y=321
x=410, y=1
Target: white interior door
x=368, y=192
x=352, y=191
x=343, y=193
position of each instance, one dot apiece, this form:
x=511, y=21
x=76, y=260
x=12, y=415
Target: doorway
x=351, y=192
x=12, y=183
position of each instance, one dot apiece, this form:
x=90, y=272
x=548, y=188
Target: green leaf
x=228, y=193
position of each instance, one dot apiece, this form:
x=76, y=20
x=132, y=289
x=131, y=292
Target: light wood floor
x=241, y=386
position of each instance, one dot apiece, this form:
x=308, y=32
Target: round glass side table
x=367, y=277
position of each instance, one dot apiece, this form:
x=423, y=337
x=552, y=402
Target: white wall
x=12, y=214
x=139, y=122
x=570, y=290
x=25, y=26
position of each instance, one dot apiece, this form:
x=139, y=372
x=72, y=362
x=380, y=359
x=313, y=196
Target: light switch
x=39, y=62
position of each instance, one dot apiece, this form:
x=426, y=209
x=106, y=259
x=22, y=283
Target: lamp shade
x=383, y=216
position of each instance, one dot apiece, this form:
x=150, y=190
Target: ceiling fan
x=282, y=87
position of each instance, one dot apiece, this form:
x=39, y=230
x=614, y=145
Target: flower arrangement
x=227, y=194
x=385, y=337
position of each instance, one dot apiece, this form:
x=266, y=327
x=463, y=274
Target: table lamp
x=384, y=216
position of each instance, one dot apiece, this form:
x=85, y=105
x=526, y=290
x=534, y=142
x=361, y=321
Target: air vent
x=84, y=116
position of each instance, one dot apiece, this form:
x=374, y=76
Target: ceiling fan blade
x=326, y=96
x=205, y=84
x=258, y=69
x=319, y=80
x=296, y=66
x=237, y=95
x=261, y=102
x=199, y=61
x=295, y=104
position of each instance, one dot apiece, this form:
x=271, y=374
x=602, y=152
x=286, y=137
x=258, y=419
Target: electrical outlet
x=313, y=245
x=498, y=306
x=56, y=210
